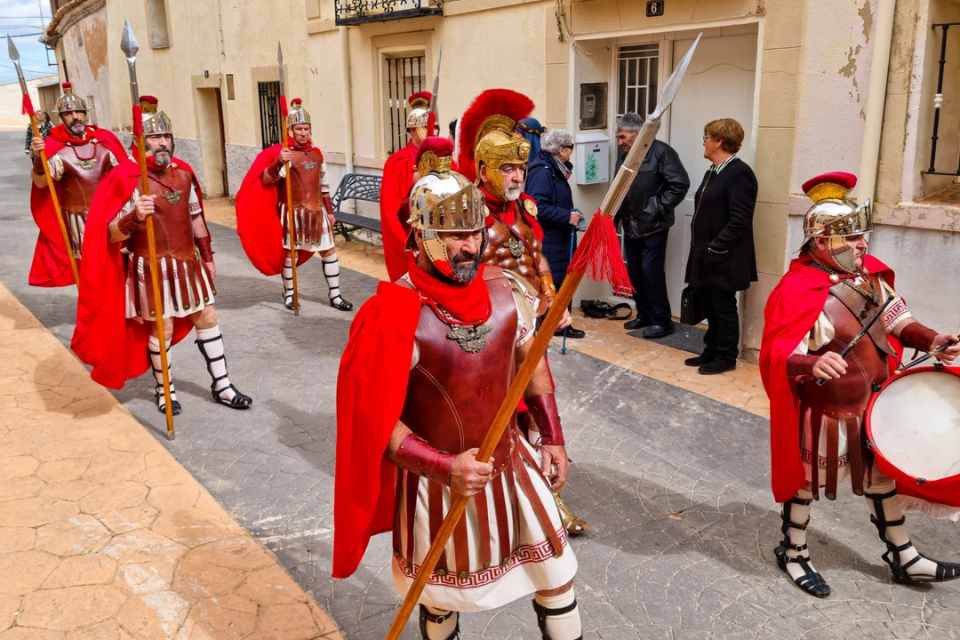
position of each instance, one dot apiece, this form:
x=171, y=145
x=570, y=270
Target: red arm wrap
x=128, y=223
x=917, y=336
x=328, y=203
x=417, y=456
x=543, y=410
x=800, y=366
x=38, y=164
x=205, y=247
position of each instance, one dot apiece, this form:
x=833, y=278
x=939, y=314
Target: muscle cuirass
x=173, y=226
x=307, y=174
x=515, y=248
x=453, y=395
x=84, y=166
x=866, y=363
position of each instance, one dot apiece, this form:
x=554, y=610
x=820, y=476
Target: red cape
x=792, y=309
x=371, y=389
x=258, y=217
x=394, y=189
x=104, y=338
x=51, y=264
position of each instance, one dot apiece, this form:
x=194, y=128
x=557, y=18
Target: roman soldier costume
x=397, y=179
x=817, y=435
x=435, y=333
x=488, y=135
x=262, y=212
x=116, y=309
x=79, y=160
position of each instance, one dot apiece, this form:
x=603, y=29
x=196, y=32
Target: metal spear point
x=130, y=47
x=15, y=58
x=283, y=83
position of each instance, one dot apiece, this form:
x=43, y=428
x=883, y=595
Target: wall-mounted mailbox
x=592, y=158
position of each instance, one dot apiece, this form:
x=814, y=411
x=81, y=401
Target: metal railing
x=944, y=28
x=360, y=11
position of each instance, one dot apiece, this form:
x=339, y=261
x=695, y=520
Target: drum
x=913, y=430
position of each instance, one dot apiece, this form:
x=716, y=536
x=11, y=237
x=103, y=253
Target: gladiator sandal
x=574, y=524
x=811, y=581
x=426, y=616
x=153, y=349
x=934, y=571
x=545, y=612
x=210, y=343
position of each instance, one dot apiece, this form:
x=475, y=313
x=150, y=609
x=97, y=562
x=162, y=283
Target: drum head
x=915, y=424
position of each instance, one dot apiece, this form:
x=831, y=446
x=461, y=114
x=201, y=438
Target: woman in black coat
x=722, y=258
x=548, y=174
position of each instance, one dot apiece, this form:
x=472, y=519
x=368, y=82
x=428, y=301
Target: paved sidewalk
x=103, y=535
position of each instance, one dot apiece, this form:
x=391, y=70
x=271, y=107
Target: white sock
x=445, y=629
x=562, y=626
x=331, y=271
x=287, y=277
x=210, y=343
x=153, y=348
x=799, y=514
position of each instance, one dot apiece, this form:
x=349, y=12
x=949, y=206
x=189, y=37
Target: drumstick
x=920, y=360
x=857, y=338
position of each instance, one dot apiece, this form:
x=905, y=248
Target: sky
x=24, y=17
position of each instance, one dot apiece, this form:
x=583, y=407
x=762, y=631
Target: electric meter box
x=591, y=161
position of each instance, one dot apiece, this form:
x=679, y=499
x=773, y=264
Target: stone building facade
x=818, y=85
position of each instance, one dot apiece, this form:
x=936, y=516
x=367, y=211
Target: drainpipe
x=347, y=95
x=876, y=99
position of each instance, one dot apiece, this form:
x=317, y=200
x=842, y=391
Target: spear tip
x=128, y=42
x=12, y=49
x=279, y=53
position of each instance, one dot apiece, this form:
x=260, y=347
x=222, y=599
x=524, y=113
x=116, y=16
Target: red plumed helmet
x=841, y=179
x=493, y=110
x=296, y=102
x=420, y=99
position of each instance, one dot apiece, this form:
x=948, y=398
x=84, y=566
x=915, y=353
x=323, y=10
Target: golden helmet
x=69, y=101
x=297, y=114
x=835, y=216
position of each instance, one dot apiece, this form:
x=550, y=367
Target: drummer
x=818, y=397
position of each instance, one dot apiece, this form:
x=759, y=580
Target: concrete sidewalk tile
x=103, y=535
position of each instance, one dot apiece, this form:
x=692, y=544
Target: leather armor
x=84, y=166
x=173, y=225
x=515, y=247
x=307, y=175
x=453, y=394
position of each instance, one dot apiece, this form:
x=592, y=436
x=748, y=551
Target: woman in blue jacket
x=548, y=175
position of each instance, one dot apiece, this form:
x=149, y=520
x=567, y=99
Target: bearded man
x=451, y=328
x=79, y=157
x=818, y=396
x=116, y=311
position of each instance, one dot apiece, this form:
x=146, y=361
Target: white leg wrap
x=153, y=347
x=559, y=616
x=331, y=271
x=210, y=343
x=287, y=277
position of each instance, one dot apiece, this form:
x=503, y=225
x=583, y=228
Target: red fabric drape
x=394, y=189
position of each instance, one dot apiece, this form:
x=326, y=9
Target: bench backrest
x=356, y=186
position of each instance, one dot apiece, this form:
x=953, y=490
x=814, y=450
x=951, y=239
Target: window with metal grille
x=637, y=79
x=269, y=93
x=402, y=75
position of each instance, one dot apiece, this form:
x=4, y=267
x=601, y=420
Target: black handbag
x=691, y=306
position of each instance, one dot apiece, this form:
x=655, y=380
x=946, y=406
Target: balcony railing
x=361, y=11
x=944, y=29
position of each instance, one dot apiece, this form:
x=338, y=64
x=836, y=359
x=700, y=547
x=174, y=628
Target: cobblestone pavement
x=674, y=483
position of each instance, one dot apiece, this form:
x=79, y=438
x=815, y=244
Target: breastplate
x=866, y=366
x=84, y=166
x=173, y=226
x=515, y=248
x=307, y=173
x=453, y=395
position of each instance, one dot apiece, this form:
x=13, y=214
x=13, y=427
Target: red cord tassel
x=599, y=255
x=283, y=118
x=137, y=122
x=26, y=107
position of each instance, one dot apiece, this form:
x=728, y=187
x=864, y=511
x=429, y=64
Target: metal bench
x=356, y=187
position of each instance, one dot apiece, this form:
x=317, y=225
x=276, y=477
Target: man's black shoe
x=717, y=366
x=699, y=360
x=636, y=323
x=657, y=331
x=570, y=332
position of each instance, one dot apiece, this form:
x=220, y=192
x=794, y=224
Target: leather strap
x=417, y=456
x=543, y=410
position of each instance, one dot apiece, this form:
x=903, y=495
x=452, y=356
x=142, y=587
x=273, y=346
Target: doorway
x=212, y=139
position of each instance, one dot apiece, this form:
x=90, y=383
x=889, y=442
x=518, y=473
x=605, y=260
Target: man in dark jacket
x=645, y=218
x=548, y=174
x=722, y=258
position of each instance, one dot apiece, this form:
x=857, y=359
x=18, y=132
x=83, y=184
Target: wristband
x=543, y=410
x=800, y=366
x=204, y=246
x=128, y=223
x=917, y=336
x=417, y=456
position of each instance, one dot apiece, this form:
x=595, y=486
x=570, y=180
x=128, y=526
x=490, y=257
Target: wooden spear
x=30, y=111
x=130, y=48
x=599, y=253
x=288, y=181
